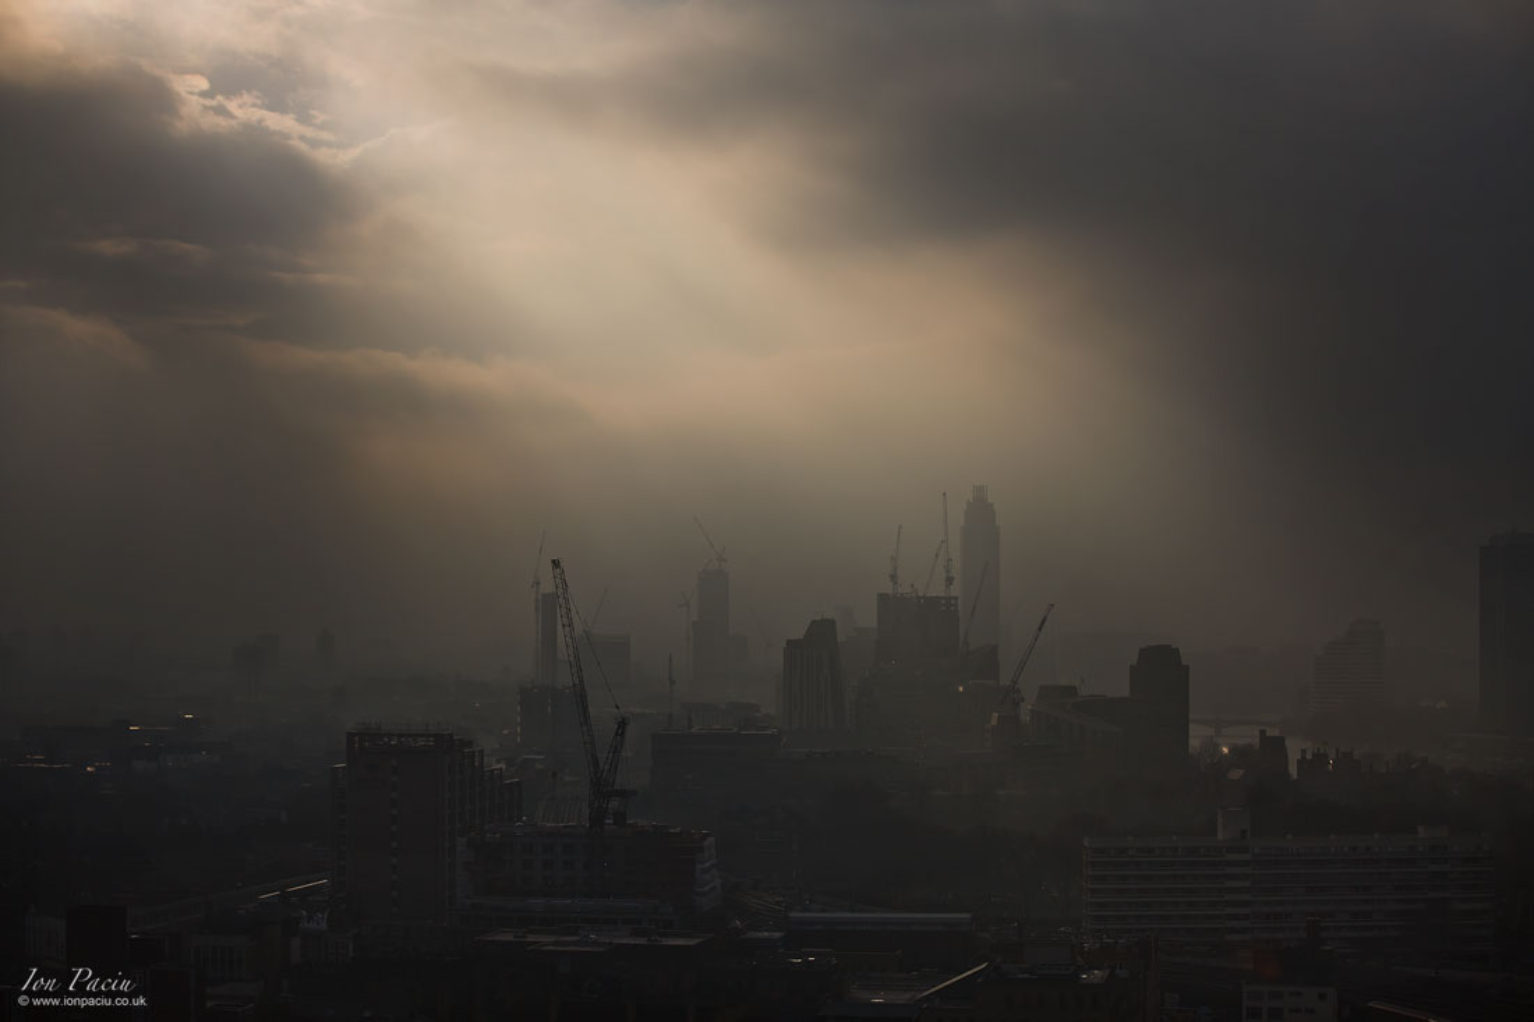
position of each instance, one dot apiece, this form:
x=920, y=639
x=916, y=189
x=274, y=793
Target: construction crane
x=1005, y=722
x=1014, y=692
x=717, y=551
x=932, y=569
x=602, y=774
x=942, y=552
x=895, y=563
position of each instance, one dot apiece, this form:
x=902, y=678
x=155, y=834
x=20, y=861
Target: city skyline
x=507, y=649
x=297, y=332
x=766, y=510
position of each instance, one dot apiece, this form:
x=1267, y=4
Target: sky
x=319, y=313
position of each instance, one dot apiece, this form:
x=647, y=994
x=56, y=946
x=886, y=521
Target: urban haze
x=780, y=509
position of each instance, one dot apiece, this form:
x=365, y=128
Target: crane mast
x=601, y=775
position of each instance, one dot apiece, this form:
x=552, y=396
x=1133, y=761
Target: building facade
x=1507, y=634
x=915, y=630
x=718, y=655
x=669, y=865
x=1350, y=670
x=812, y=696
x=547, y=723
x=700, y=760
x=401, y=804
x=612, y=658
x=1360, y=889
x=1158, y=688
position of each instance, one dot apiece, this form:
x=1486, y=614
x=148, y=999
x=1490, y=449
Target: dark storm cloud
x=114, y=205
x=1302, y=224
x=1310, y=219
x=171, y=457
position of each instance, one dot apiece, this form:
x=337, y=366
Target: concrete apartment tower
x=1158, y=689
x=812, y=696
x=1350, y=670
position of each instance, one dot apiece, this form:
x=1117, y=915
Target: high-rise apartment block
x=1350, y=670
x=402, y=803
x=812, y=696
x=1158, y=688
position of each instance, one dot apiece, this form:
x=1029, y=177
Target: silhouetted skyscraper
x=717, y=655
x=812, y=696
x=1507, y=634
x=980, y=579
x=1350, y=670
x=1158, y=690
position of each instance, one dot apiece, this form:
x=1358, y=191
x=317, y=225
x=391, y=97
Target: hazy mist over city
x=319, y=313
x=766, y=510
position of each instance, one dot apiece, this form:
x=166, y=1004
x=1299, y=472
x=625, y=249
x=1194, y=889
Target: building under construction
x=935, y=675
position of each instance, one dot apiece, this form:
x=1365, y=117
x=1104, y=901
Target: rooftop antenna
x=895, y=563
